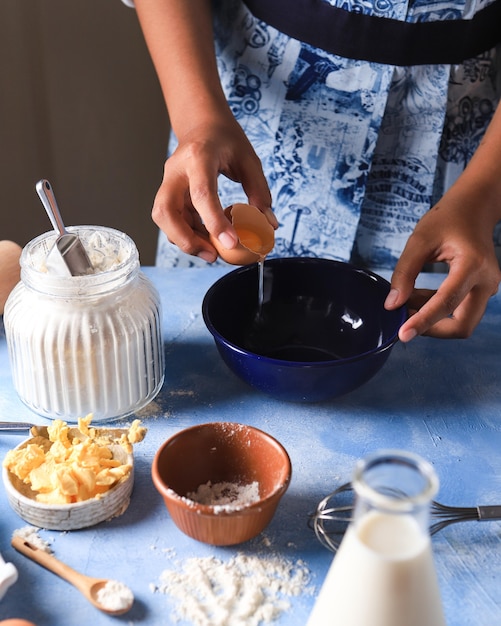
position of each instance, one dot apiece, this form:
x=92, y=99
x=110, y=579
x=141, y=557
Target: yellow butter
x=67, y=467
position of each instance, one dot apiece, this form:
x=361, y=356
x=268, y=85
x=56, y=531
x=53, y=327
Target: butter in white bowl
x=66, y=478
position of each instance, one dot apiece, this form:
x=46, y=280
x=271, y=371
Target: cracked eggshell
x=256, y=235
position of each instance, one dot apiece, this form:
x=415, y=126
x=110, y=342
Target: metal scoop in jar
x=68, y=246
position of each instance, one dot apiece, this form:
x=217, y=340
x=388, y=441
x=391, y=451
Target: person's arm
x=458, y=230
x=211, y=142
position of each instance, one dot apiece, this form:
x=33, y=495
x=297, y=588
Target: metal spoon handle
x=489, y=512
x=15, y=427
x=48, y=199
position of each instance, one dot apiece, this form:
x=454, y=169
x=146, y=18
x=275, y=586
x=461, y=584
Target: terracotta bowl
x=221, y=452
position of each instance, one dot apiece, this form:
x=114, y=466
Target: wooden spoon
x=87, y=585
x=10, y=269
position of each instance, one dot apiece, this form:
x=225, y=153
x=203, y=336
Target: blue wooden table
x=440, y=399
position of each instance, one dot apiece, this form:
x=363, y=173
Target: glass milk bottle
x=85, y=344
x=383, y=573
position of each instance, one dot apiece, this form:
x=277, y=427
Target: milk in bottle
x=383, y=573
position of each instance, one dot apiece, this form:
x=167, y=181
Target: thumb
x=402, y=285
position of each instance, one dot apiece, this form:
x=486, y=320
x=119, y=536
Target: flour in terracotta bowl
x=226, y=496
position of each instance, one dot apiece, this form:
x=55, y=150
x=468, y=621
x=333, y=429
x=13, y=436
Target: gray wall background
x=79, y=105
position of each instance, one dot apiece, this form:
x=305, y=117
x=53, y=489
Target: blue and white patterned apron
x=355, y=152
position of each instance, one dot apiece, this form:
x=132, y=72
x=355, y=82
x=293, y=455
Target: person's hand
x=460, y=233
x=187, y=206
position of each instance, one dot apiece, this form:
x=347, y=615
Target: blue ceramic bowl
x=322, y=329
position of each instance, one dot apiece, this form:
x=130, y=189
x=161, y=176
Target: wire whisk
x=334, y=513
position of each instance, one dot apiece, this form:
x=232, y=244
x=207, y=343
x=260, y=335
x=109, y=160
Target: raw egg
x=256, y=235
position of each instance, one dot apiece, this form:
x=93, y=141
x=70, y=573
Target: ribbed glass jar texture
x=85, y=344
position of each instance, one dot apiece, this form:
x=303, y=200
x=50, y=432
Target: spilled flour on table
x=247, y=590
x=30, y=534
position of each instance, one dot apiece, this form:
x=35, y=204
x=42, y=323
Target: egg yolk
x=249, y=239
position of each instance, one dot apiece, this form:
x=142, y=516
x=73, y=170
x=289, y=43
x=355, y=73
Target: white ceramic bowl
x=70, y=516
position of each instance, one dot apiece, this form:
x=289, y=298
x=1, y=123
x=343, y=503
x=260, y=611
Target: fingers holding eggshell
x=256, y=235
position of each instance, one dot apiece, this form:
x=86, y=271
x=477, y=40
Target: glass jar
x=85, y=344
x=383, y=573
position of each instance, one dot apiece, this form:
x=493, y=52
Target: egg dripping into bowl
x=256, y=236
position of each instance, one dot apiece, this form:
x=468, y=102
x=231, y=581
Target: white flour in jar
x=86, y=344
x=247, y=590
x=102, y=252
